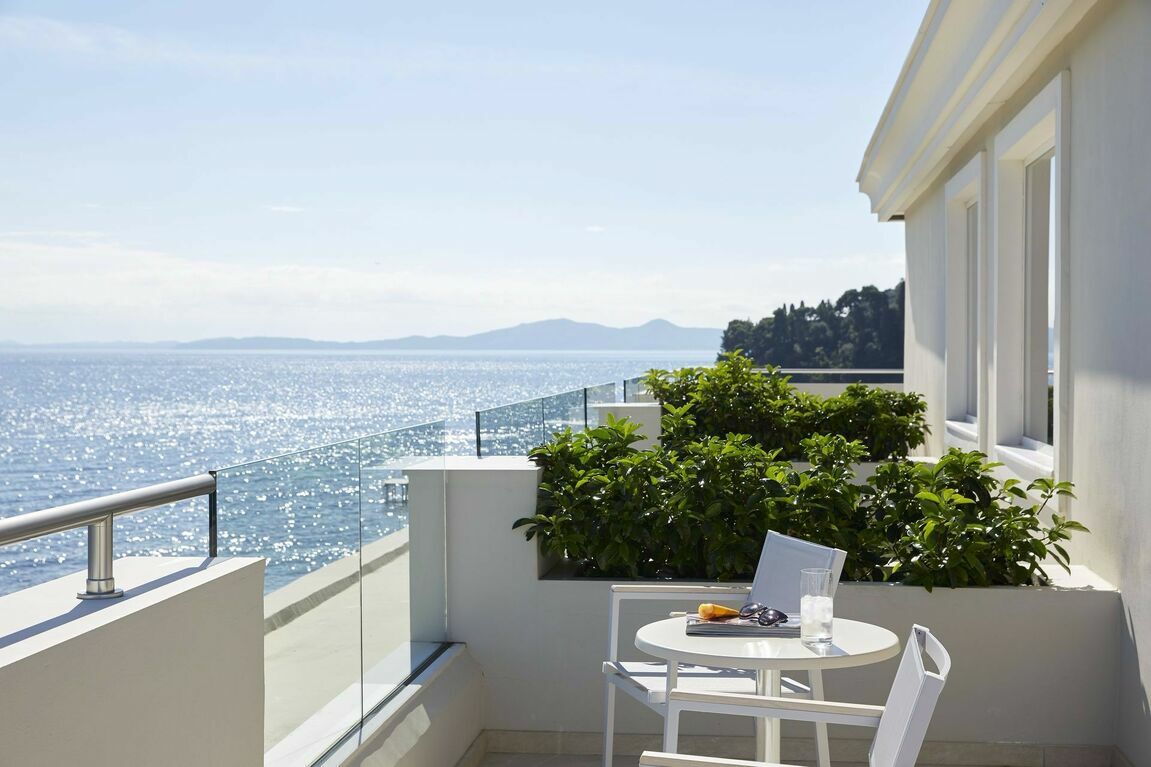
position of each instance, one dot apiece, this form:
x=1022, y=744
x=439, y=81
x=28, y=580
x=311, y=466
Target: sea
x=80, y=424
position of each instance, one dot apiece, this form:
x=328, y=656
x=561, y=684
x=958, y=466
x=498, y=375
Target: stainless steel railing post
x=100, y=584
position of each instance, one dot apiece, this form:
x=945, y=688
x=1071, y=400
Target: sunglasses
x=765, y=616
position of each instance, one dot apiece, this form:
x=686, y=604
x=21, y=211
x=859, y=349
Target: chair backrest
x=911, y=702
x=776, y=581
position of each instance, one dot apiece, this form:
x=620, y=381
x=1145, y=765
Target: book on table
x=739, y=627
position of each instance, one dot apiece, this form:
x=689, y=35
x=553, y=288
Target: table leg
x=767, y=729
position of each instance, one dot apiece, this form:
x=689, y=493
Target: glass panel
x=564, y=410
x=509, y=429
x=972, y=304
x=334, y=523
x=1039, y=303
x=1052, y=283
x=634, y=390
x=600, y=394
x=401, y=473
x=302, y=512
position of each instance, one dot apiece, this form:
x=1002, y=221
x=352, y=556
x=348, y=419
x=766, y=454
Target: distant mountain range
x=552, y=335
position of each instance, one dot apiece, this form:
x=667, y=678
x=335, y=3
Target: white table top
x=853, y=644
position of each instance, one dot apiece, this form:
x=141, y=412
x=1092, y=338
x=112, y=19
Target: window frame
x=1040, y=127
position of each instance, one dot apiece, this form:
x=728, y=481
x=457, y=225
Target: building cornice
x=966, y=59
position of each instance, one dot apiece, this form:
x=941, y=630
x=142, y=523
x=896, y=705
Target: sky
x=361, y=170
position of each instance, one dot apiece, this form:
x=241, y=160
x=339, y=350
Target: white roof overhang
x=967, y=58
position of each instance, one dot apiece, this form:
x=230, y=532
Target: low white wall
x=646, y=415
x=434, y=720
x=835, y=389
x=172, y=673
x=1031, y=665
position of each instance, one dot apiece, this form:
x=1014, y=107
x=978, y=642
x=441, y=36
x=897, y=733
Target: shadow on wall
x=1135, y=711
x=84, y=607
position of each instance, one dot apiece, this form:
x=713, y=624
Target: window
x=965, y=299
x=1039, y=303
x=1028, y=387
x=971, y=301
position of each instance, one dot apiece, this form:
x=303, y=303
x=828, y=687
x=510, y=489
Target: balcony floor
x=553, y=760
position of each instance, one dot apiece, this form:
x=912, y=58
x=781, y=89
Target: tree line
x=862, y=329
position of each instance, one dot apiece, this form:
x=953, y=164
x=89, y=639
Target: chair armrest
x=671, y=591
x=738, y=704
x=660, y=759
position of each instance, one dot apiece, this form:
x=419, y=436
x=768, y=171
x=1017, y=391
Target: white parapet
x=646, y=415
x=172, y=673
x=1033, y=666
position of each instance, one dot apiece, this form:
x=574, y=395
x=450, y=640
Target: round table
x=853, y=644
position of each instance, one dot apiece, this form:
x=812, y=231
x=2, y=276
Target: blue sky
x=373, y=169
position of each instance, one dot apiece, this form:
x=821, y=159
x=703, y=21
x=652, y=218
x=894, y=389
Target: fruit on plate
x=710, y=612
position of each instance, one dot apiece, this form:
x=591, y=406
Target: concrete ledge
x=312, y=738
x=172, y=673
x=432, y=722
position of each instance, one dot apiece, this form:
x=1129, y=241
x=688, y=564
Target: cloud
x=283, y=209
x=53, y=234
x=112, y=43
x=108, y=42
x=594, y=229
x=77, y=289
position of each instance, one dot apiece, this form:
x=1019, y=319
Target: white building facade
x=1015, y=147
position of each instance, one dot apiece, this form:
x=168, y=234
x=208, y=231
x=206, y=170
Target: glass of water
x=815, y=606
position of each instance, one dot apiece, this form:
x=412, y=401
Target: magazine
x=739, y=627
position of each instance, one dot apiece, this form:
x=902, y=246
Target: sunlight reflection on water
x=78, y=425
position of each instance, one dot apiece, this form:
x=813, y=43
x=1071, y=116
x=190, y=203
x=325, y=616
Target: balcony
x=401, y=620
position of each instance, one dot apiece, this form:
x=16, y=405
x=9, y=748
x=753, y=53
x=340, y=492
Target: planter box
x=1031, y=665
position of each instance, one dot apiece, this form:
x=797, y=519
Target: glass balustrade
x=334, y=524
x=516, y=428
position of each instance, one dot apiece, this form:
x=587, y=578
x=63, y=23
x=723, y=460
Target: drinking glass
x=815, y=606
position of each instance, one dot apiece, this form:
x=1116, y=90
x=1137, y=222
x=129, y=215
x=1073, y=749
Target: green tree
x=863, y=329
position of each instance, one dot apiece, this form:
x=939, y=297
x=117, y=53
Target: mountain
x=551, y=335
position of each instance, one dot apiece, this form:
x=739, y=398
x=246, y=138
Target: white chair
x=900, y=725
x=776, y=584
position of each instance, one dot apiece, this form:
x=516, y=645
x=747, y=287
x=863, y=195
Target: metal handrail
x=97, y=514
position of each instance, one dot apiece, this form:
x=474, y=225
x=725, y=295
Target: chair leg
x=608, y=722
x=671, y=729
x=822, y=747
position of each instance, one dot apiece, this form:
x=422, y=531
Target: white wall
x=172, y=673
x=925, y=312
x=1022, y=671
x=1108, y=59
x=1110, y=328
x=645, y=415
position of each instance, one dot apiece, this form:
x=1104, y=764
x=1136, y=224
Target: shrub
x=703, y=508
x=963, y=526
x=734, y=398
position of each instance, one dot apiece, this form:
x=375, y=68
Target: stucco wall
x=925, y=311
x=172, y=673
x=1111, y=325
x=1109, y=61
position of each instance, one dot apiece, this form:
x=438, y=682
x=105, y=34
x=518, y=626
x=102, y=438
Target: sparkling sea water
x=81, y=424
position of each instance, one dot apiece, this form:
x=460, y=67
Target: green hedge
x=734, y=398
x=702, y=508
